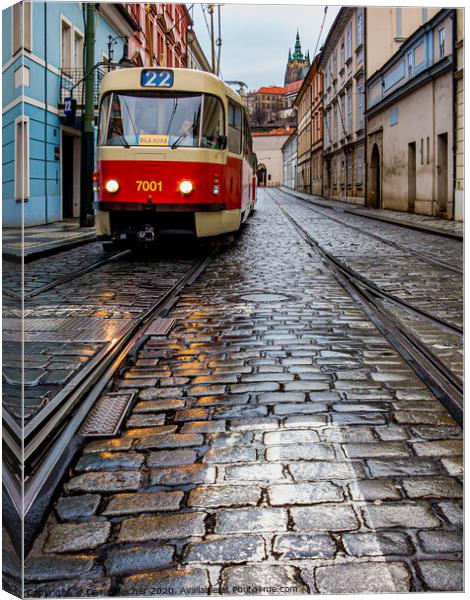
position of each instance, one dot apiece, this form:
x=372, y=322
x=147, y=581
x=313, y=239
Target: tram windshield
x=141, y=119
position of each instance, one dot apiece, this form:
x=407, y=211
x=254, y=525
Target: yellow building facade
x=410, y=134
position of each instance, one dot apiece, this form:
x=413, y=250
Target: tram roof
x=185, y=80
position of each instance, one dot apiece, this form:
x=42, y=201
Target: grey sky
x=256, y=38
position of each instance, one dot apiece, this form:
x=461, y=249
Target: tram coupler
x=146, y=235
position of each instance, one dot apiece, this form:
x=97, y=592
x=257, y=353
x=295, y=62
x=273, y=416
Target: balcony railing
x=74, y=78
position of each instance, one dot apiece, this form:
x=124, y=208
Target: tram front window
x=139, y=119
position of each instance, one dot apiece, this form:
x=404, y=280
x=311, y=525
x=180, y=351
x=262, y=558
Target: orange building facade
x=317, y=128
x=162, y=39
x=309, y=105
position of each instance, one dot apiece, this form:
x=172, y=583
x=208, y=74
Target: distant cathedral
x=297, y=63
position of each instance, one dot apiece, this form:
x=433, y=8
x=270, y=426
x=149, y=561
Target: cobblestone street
x=278, y=443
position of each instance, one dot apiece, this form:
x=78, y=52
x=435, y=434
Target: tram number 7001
x=149, y=186
x=156, y=78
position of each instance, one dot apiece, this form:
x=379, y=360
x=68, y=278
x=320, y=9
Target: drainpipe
x=88, y=140
x=454, y=110
x=45, y=114
x=366, y=156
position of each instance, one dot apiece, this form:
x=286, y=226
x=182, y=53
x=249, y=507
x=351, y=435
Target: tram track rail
x=402, y=304
x=66, y=278
x=444, y=384
x=42, y=449
x=416, y=254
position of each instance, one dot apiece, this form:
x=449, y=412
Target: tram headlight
x=186, y=187
x=111, y=186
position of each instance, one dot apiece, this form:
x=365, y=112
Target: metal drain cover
x=261, y=296
x=106, y=416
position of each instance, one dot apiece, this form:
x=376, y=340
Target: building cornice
x=432, y=72
x=119, y=18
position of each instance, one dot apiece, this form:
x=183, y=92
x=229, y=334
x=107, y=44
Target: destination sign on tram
x=156, y=78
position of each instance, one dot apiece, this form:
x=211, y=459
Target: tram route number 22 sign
x=156, y=78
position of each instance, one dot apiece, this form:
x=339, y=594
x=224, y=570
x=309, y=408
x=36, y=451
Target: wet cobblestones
x=326, y=474
x=104, y=299
x=396, y=271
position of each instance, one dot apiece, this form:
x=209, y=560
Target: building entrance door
x=442, y=173
x=411, y=176
x=67, y=176
x=70, y=156
x=375, y=179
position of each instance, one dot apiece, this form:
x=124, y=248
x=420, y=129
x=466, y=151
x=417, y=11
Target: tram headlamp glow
x=111, y=186
x=186, y=187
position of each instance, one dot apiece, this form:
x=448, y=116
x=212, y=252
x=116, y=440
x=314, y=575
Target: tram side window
x=103, y=120
x=213, y=122
x=235, y=127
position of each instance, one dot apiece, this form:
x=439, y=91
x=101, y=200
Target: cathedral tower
x=297, y=63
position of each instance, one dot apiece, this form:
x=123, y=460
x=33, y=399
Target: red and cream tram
x=174, y=154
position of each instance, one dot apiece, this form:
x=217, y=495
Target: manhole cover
x=261, y=296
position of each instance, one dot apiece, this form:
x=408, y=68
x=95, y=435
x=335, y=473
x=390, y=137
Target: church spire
x=298, y=48
x=290, y=56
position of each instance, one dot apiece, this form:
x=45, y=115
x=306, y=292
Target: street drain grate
x=261, y=296
x=106, y=416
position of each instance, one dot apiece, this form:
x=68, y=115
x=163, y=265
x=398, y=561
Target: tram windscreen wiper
x=124, y=141
x=182, y=136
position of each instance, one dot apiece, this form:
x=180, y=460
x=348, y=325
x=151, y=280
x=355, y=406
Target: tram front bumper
x=215, y=223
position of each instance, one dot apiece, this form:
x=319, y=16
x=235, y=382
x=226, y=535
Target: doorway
x=70, y=155
x=442, y=173
x=411, y=176
x=262, y=176
x=375, y=178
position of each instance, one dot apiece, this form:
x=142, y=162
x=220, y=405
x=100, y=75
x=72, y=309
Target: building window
x=335, y=64
x=360, y=105
x=342, y=114
x=342, y=179
x=349, y=163
x=335, y=125
x=409, y=62
x=21, y=158
x=427, y=150
x=393, y=116
x=78, y=50
x=422, y=151
x=22, y=26
x=441, y=42
x=341, y=53
x=66, y=47
x=22, y=77
x=398, y=20
x=349, y=105
x=349, y=42
x=359, y=27
x=333, y=169
x=359, y=166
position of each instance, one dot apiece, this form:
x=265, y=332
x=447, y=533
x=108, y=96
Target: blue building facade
x=42, y=56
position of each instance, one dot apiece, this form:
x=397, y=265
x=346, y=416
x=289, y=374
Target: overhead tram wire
x=320, y=32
